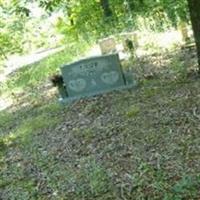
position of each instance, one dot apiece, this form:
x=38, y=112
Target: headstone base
x=130, y=84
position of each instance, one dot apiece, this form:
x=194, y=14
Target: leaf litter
x=139, y=144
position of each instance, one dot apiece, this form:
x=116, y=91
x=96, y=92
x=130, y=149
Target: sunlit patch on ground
x=146, y=40
x=5, y=102
x=158, y=41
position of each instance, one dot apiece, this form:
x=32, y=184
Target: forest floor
x=139, y=144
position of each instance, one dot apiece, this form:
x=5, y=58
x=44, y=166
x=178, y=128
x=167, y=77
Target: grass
x=35, y=74
x=6, y=118
x=142, y=144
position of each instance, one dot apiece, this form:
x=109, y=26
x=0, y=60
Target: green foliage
x=80, y=20
x=21, y=31
x=11, y=28
x=5, y=118
x=10, y=37
x=49, y=152
x=87, y=19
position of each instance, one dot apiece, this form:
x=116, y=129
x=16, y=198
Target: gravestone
x=107, y=45
x=92, y=76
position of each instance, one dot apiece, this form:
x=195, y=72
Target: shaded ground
x=141, y=144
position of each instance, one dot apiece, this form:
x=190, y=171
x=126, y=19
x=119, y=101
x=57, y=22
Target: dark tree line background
x=94, y=19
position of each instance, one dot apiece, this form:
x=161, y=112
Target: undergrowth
x=140, y=144
x=34, y=75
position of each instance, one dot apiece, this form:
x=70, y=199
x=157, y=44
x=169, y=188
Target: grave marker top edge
x=90, y=58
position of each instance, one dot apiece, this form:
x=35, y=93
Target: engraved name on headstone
x=93, y=76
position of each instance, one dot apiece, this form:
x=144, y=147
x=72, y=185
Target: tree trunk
x=106, y=8
x=194, y=8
